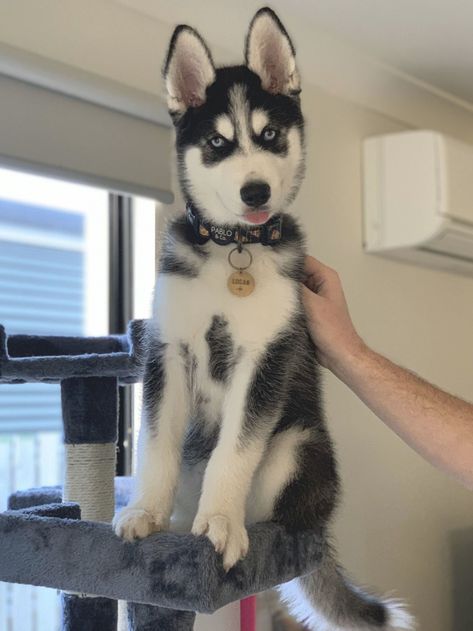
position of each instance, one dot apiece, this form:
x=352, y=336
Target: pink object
x=256, y=216
x=248, y=614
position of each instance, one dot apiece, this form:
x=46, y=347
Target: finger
x=316, y=273
x=312, y=265
x=310, y=297
x=315, y=266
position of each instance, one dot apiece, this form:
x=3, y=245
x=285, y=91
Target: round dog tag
x=241, y=283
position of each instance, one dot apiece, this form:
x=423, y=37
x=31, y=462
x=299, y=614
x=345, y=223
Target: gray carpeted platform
x=177, y=571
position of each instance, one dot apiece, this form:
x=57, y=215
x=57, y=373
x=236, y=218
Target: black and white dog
x=233, y=429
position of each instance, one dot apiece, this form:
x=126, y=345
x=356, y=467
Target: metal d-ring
x=239, y=267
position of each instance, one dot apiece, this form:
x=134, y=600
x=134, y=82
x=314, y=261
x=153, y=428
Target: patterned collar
x=269, y=233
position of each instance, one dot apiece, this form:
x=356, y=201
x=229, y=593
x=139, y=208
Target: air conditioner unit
x=418, y=199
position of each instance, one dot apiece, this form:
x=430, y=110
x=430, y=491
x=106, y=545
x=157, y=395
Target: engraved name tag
x=241, y=283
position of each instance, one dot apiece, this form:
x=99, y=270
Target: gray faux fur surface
x=148, y=618
x=53, y=495
x=169, y=570
x=48, y=359
x=89, y=614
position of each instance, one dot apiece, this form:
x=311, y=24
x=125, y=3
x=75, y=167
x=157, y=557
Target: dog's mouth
x=256, y=216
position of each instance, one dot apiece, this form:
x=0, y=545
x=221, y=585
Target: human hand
x=329, y=320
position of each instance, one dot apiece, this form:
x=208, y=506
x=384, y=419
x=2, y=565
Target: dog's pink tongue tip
x=257, y=216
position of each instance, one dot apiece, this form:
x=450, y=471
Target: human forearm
x=437, y=425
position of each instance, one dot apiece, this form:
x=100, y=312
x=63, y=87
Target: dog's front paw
x=229, y=538
x=136, y=523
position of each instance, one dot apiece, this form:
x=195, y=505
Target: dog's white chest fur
x=184, y=311
x=184, y=307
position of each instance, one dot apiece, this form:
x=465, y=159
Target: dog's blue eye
x=269, y=134
x=217, y=142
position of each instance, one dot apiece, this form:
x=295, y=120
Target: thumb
x=310, y=298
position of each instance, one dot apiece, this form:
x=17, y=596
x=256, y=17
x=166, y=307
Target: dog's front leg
x=228, y=476
x=164, y=420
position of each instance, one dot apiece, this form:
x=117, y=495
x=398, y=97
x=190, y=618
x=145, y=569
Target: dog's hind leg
x=326, y=600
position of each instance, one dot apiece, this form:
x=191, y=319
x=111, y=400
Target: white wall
x=403, y=526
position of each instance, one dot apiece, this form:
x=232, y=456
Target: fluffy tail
x=327, y=601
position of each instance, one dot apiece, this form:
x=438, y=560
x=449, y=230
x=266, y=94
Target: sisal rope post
x=89, y=479
x=90, y=418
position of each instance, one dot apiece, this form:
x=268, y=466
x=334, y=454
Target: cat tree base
x=165, y=578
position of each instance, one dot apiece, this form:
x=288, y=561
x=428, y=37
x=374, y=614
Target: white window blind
x=119, y=146
x=41, y=291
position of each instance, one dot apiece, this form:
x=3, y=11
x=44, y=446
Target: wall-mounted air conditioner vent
x=418, y=199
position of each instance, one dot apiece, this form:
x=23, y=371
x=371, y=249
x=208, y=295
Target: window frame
x=121, y=290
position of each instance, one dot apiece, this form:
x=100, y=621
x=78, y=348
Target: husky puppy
x=233, y=429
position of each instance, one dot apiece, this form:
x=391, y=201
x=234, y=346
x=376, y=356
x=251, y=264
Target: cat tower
x=61, y=537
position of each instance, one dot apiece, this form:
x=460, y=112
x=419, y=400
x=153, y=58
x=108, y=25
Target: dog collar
x=269, y=233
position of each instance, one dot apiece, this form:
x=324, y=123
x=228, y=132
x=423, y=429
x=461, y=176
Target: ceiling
x=431, y=40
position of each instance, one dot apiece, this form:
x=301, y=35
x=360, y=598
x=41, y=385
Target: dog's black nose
x=255, y=193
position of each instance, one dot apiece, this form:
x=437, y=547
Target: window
x=144, y=273
x=53, y=281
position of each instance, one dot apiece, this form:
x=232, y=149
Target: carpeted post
x=88, y=614
x=90, y=417
x=149, y=618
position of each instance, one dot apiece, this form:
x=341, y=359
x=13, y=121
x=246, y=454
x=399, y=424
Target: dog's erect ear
x=188, y=70
x=270, y=54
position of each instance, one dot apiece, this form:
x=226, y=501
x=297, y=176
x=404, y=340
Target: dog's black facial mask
x=197, y=125
x=228, y=120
